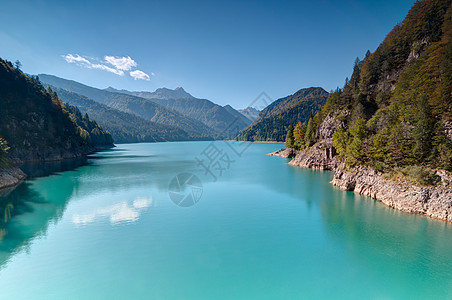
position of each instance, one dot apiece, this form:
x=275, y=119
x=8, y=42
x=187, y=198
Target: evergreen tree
x=290, y=137
x=358, y=132
x=347, y=81
x=340, y=142
x=310, y=132
x=17, y=64
x=299, y=135
x=423, y=131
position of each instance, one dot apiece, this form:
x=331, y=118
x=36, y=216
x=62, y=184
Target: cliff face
x=320, y=156
x=433, y=201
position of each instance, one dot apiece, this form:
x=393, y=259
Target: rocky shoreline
x=11, y=176
x=432, y=201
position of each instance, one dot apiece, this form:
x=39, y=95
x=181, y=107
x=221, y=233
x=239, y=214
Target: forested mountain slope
x=274, y=121
x=37, y=126
x=124, y=127
x=395, y=112
x=141, y=107
x=213, y=115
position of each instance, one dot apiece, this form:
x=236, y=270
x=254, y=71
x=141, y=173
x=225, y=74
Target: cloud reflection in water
x=122, y=212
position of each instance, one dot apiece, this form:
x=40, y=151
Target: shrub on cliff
x=3, y=150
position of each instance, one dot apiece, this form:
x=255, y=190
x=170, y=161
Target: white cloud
x=121, y=63
x=106, y=68
x=76, y=59
x=85, y=63
x=137, y=74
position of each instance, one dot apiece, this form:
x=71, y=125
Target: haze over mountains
x=250, y=112
x=124, y=127
x=189, y=118
x=213, y=115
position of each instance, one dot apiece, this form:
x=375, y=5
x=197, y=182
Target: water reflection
x=122, y=212
x=375, y=235
x=45, y=203
x=41, y=169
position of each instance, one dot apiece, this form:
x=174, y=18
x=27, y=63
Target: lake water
x=258, y=229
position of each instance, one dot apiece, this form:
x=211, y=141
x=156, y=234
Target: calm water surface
x=263, y=230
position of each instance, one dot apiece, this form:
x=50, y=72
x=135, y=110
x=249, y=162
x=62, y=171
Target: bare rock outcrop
x=434, y=201
x=329, y=126
x=285, y=153
x=11, y=176
x=321, y=156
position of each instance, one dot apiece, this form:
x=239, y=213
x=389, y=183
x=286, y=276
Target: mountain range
x=198, y=118
x=124, y=127
x=213, y=115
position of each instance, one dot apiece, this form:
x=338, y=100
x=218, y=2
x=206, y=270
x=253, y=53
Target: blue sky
x=225, y=51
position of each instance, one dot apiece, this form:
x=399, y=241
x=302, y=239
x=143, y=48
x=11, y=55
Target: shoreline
x=11, y=176
x=400, y=194
x=259, y=142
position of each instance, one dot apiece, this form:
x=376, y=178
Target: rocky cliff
x=433, y=201
x=11, y=176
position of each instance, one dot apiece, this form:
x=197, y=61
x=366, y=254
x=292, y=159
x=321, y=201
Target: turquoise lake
x=106, y=228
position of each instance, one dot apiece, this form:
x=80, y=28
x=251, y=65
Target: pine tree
x=340, y=142
x=290, y=138
x=310, y=132
x=423, y=131
x=17, y=64
x=358, y=132
x=299, y=135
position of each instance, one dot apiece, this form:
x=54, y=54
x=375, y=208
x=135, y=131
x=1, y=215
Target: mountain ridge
x=274, y=120
x=141, y=107
x=220, y=118
x=124, y=127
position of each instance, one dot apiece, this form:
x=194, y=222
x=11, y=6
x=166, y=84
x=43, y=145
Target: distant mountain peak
x=166, y=93
x=250, y=112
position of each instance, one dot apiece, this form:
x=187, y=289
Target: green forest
x=34, y=121
x=275, y=119
x=396, y=108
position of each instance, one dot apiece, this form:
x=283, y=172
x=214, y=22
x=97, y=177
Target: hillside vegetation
x=143, y=108
x=124, y=127
x=219, y=118
x=36, y=125
x=274, y=121
x=395, y=112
